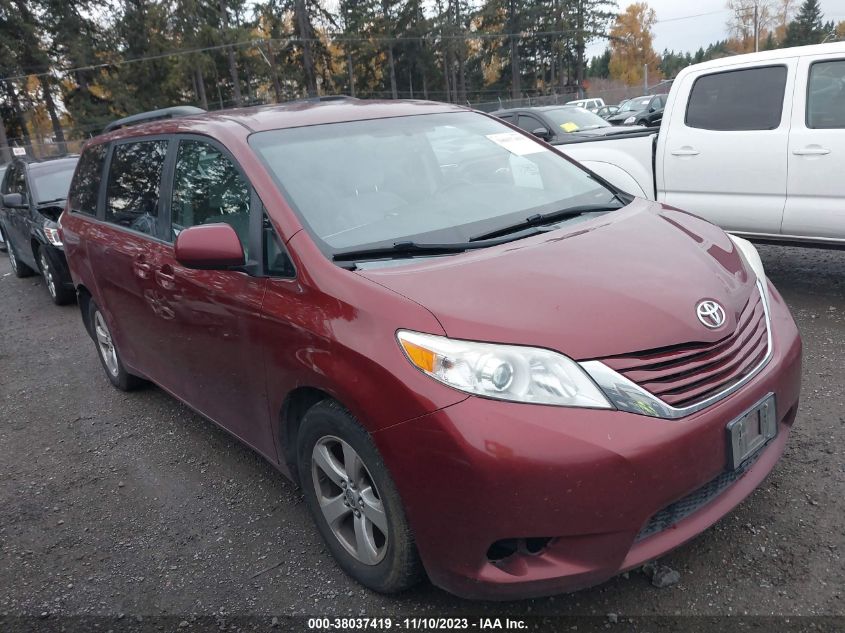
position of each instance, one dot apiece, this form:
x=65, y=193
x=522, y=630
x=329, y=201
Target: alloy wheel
x=47, y=272
x=349, y=500
x=105, y=343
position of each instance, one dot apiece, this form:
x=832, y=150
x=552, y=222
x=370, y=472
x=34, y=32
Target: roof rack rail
x=153, y=115
x=324, y=99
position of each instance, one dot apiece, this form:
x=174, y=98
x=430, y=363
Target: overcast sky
x=708, y=25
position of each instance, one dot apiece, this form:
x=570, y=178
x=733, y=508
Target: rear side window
x=85, y=187
x=736, y=100
x=826, y=95
x=209, y=189
x=134, y=184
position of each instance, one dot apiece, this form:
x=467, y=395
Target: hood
x=621, y=116
x=599, y=132
x=627, y=281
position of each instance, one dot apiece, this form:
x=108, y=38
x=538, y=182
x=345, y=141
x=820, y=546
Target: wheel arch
x=83, y=297
x=294, y=407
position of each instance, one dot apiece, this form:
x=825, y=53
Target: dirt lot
x=114, y=503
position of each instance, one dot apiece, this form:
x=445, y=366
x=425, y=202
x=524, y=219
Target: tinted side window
x=277, y=262
x=207, y=189
x=133, y=185
x=85, y=187
x=529, y=123
x=826, y=95
x=749, y=99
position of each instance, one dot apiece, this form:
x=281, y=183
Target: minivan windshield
x=430, y=178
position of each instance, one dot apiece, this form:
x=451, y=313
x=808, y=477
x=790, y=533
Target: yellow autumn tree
x=631, y=45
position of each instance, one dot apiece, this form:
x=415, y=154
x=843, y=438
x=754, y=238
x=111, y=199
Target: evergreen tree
x=807, y=27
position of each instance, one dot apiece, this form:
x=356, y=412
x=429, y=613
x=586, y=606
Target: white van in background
x=754, y=143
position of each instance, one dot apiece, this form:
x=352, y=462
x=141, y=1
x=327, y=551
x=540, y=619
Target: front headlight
x=503, y=372
x=53, y=236
x=630, y=120
x=752, y=258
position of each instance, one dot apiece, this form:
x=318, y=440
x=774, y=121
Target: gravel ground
x=114, y=503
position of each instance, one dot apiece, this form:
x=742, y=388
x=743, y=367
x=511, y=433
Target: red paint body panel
x=560, y=290
x=589, y=479
x=234, y=347
x=209, y=246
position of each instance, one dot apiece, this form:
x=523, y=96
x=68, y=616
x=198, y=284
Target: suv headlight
x=629, y=120
x=752, y=258
x=53, y=235
x=503, y=372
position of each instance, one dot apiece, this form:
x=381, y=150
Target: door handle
x=685, y=151
x=142, y=268
x=165, y=277
x=811, y=150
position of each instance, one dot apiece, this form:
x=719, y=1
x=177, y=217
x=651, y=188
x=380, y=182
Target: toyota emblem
x=710, y=313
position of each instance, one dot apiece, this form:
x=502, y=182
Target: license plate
x=751, y=431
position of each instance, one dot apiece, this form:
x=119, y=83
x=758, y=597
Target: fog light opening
x=537, y=544
x=505, y=548
x=500, y=550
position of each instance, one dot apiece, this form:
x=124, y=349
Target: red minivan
x=481, y=361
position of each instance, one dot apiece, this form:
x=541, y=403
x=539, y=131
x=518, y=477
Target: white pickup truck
x=754, y=143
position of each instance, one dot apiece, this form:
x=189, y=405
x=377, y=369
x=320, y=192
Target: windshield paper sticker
x=569, y=127
x=516, y=143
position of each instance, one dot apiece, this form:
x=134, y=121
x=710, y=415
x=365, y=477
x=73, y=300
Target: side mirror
x=209, y=247
x=541, y=132
x=14, y=201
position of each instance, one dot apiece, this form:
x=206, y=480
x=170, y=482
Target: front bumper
x=482, y=471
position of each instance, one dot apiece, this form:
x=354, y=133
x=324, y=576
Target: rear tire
x=108, y=354
x=20, y=269
x=58, y=293
x=354, y=501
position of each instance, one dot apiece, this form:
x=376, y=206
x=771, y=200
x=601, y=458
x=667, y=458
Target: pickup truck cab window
x=826, y=95
x=748, y=99
x=132, y=196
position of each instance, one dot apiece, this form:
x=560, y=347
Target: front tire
x=58, y=293
x=108, y=354
x=354, y=501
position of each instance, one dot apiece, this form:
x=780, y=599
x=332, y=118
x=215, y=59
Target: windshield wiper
x=41, y=203
x=539, y=219
x=413, y=249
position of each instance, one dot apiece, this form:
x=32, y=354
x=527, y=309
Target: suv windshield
x=51, y=181
x=635, y=104
x=574, y=119
x=436, y=178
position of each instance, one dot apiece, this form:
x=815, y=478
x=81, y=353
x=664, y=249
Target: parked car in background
x=2, y=241
x=560, y=124
x=607, y=111
x=33, y=197
x=646, y=111
x=492, y=366
x=753, y=143
x=588, y=104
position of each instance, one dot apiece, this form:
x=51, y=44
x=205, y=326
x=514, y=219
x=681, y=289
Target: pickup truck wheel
x=20, y=269
x=58, y=293
x=108, y=354
x=354, y=501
